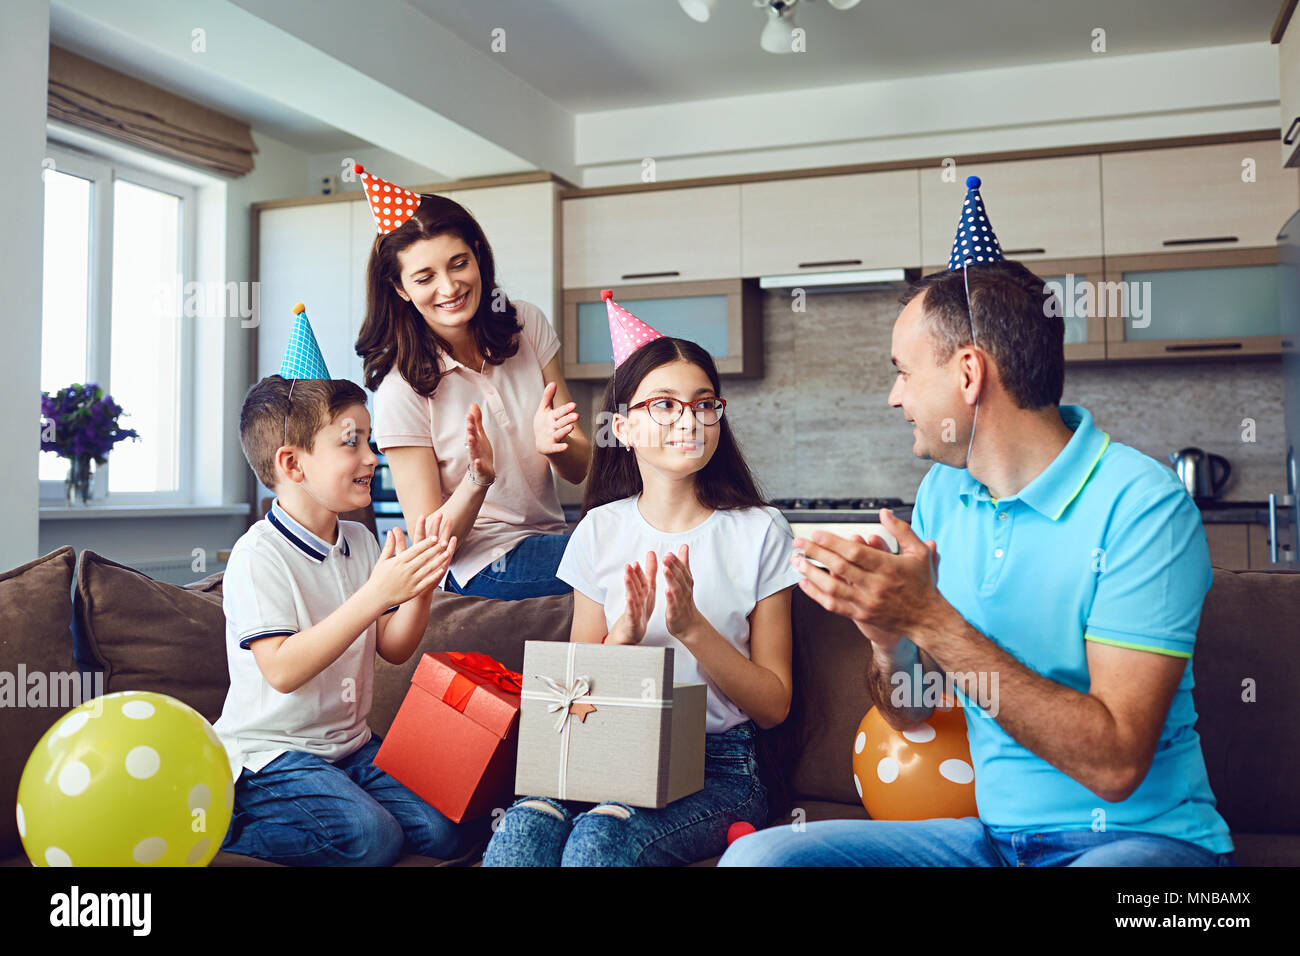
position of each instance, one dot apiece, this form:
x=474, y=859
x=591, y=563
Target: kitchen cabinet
x=722, y=316
x=1072, y=282
x=1193, y=198
x=1192, y=305
x=1229, y=546
x=831, y=223
x=1040, y=209
x=1238, y=547
x=649, y=236
x=1288, y=61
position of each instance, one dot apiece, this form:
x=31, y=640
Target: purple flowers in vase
x=79, y=423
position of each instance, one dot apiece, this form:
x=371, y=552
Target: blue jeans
x=303, y=810
x=527, y=570
x=964, y=842
x=613, y=834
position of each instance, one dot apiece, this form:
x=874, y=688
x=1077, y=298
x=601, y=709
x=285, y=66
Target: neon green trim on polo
x=1136, y=647
x=1091, y=468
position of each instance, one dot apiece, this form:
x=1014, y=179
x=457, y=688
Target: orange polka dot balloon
x=919, y=774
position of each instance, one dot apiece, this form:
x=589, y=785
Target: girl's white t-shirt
x=738, y=557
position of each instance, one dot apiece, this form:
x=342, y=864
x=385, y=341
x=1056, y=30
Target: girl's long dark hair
x=393, y=331
x=725, y=482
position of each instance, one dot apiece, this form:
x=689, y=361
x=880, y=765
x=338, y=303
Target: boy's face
x=337, y=471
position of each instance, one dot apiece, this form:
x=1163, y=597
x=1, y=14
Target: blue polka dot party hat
x=302, y=358
x=975, y=242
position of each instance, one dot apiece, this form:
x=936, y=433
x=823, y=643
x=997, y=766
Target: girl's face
x=685, y=446
x=440, y=276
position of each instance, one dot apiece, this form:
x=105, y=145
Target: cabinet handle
x=650, y=275
x=1212, y=347
x=1289, y=138
x=1023, y=252
x=830, y=262
x=1195, y=242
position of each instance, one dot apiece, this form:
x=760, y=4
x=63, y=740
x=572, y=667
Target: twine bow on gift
x=562, y=697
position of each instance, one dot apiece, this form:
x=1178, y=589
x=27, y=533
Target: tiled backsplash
x=818, y=424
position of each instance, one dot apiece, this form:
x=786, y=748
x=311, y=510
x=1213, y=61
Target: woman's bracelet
x=481, y=484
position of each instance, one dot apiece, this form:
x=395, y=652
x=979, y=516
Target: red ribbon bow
x=482, y=670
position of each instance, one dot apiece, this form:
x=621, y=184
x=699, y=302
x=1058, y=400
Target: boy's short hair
x=269, y=419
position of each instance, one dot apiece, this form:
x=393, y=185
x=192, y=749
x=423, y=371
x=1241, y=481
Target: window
x=118, y=250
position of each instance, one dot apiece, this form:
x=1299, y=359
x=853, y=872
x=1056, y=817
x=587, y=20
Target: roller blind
x=94, y=97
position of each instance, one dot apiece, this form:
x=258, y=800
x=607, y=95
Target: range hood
x=857, y=280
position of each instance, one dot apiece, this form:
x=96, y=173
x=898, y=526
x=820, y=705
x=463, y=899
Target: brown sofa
x=146, y=635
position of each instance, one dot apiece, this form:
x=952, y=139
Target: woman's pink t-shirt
x=522, y=501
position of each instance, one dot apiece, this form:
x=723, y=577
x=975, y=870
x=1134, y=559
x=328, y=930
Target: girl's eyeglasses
x=665, y=411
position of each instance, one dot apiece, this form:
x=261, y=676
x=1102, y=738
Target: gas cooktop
x=836, y=504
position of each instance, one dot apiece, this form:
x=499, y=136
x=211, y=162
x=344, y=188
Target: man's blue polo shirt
x=1104, y=545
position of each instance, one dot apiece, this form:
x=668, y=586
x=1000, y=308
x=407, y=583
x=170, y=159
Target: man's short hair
x=1015, y=322
x=270, y=419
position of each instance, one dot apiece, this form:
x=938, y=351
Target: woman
x=440, y=344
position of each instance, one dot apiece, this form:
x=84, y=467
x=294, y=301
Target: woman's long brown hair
x=393, y=331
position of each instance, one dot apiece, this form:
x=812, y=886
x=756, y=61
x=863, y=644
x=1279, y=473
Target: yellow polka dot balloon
x=129, y=779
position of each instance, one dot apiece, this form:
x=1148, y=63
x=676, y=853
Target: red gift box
x=454, y=738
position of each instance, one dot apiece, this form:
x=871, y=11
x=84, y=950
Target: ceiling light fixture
x=778, y=32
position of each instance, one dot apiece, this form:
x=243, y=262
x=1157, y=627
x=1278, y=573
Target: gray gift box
x=642, y=744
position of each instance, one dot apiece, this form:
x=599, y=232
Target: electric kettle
x=1197, y=471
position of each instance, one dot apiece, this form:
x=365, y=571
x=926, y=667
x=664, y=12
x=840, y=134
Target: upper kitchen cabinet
x=1288, y=62
x=661, y=235
x=830, y=223
x=1039, y=208
x=1195, y=197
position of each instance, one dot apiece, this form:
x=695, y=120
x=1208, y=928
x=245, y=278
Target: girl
x=714, y=586
x=441, y=341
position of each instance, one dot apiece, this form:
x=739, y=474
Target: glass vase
x=80, y=480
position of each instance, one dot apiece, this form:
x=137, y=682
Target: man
x=1073, y=571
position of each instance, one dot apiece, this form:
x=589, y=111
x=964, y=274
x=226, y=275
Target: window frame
x=103, y=173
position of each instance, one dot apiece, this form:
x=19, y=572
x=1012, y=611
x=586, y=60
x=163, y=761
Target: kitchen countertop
x=1241, y=512
x=1212, y=512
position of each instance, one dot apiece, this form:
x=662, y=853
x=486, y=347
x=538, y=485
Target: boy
x=309, y=599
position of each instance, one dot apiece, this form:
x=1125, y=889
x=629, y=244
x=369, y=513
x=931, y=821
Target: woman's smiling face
x=440, y=277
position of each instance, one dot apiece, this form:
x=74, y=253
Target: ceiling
x=591, y=55
x=619, y=53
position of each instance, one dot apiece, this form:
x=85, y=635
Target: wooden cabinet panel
x=1288, y=60
x=1257, y=547
x=669, y=235
x=1193, y=197
x=1229, y=546
x=831, y=223
x=1039, y=208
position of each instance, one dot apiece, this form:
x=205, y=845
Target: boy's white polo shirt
x=282, y=579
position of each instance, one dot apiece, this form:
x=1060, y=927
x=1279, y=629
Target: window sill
x=64, y=513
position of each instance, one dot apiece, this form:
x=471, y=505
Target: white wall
x=1104, y=99
x=24, y=68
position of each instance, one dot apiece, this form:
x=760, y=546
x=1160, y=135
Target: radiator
x=175, y=570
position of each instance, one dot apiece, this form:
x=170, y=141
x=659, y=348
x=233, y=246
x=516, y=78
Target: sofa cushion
x=1248, y=633
x=812, y=749
x=35, y=613
x=148, y=635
